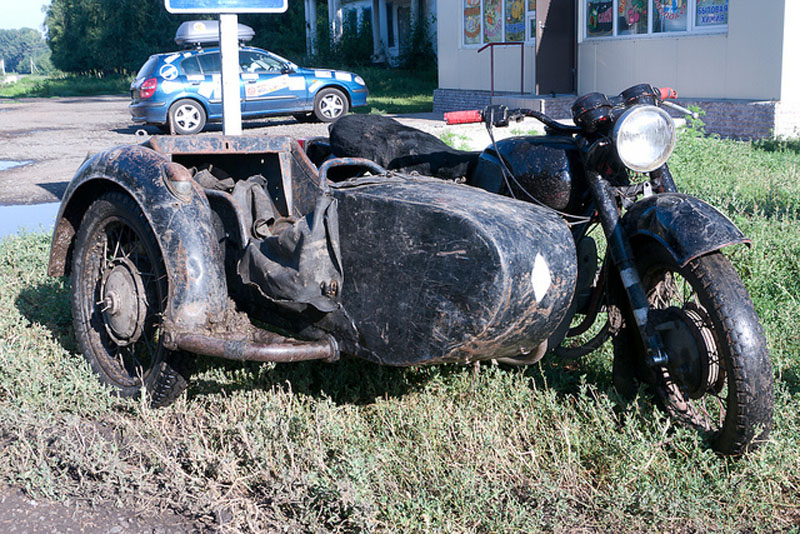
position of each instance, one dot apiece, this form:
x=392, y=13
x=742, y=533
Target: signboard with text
x=226, y=6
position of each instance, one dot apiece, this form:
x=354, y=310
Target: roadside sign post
x=229, y=46
x=229, y=51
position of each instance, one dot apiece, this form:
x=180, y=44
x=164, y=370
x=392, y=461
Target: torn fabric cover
x=301, y=262
x=395, y=146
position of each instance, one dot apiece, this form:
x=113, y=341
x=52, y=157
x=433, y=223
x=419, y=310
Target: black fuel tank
x=547, y=167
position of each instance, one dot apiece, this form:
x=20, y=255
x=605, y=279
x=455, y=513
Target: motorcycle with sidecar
x=243, y=248
x=680, y=318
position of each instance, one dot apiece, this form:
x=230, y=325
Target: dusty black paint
x=184, y=230
x=546, y=167
x=436, y=272
x=686, y=226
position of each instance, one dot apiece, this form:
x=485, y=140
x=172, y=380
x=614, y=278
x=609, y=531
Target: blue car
x=184, y=88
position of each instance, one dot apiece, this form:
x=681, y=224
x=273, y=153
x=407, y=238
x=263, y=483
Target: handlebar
x=668, y=93
x=463, y=117
x=500, y=115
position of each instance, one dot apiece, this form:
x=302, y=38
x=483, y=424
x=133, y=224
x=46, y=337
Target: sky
x=16, y=14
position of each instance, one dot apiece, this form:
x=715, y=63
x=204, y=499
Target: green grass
x=67, y=85
x=353, y=447
x=397, y=90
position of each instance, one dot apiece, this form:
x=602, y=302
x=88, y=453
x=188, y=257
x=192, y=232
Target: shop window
x=494, y=21
x=623, y=18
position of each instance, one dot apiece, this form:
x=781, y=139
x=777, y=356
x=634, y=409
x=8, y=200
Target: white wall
x=744, y=63
x=464, y=68
x=757, y=59
x=790, y=79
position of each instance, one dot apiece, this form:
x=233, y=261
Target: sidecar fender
x=685, y=226
x=181, y=223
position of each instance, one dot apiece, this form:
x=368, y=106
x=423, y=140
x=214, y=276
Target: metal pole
x=231, y=86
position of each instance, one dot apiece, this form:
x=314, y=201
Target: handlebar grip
x=463, y=117
x=668, y=93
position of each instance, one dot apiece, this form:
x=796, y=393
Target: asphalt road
x=53, y=136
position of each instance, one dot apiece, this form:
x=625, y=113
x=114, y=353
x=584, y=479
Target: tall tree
x=119, y=35
x=23, y=47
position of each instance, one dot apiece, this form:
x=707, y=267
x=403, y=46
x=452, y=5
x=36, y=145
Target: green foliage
x=418, y=51
x=21, y=47
x=108, y=36
x=355, y=447
x=119, y=35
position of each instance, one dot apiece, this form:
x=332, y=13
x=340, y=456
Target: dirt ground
x=56, y=134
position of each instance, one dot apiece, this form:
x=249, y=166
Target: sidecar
x=240, y=247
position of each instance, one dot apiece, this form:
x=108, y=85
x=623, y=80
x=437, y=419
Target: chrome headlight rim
x=644, y=150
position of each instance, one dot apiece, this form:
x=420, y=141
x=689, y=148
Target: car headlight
x=644, y=136
x=359, y=80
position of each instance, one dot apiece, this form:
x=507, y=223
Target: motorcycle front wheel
x=719, y=377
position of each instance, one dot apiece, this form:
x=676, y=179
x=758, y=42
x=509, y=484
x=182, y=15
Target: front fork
x=619, y=248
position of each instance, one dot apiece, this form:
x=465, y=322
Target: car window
x=191, y=66
x=258, y=62
x=147, y=68
x=210, y=63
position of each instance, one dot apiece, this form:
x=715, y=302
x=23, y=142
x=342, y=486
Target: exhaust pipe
x=264, y=347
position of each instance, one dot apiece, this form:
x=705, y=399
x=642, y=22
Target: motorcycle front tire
x=719, y=379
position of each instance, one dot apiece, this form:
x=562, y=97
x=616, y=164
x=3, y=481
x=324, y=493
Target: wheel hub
x=123, y=302
x=681, y=331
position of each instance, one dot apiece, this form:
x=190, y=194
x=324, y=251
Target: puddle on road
x=31, y=218
x=6, y=164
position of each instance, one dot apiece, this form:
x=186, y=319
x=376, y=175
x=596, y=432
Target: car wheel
x=330, y=104
x=187, y=116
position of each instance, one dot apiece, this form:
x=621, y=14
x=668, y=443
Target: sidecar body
x=392, y=268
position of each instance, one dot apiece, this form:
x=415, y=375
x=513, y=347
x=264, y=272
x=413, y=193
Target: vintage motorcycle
x=680, y=318
x=243, y=248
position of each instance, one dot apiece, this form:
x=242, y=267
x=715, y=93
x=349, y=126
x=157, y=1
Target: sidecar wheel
x=119, y=294
x=719, y=379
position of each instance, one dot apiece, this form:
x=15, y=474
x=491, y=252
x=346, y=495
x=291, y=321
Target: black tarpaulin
x=398, y=147
x=300, y=261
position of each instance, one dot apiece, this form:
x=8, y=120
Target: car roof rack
x=194, y=33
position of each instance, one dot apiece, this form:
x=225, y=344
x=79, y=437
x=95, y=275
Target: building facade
x=733, y=58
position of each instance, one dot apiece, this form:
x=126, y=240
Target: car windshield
x=259, y=62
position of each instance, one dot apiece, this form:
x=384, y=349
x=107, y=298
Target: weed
x=355, y=447
x=456, y=140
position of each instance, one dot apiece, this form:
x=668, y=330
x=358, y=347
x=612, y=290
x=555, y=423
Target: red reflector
x=148, y=88
x=302, y=143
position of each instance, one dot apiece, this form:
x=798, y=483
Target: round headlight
x=359, y=80
x=644, y=136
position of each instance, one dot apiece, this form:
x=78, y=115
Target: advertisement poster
x=492, y=21
x=712, y=12
x=670, y=15
x=599, y=18
x=472, y=22
x=632, y=17
x=515, y=20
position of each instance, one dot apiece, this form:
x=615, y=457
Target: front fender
x=183, y=228
x=685, y=226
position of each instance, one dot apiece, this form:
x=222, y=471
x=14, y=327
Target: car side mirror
x=287, y=69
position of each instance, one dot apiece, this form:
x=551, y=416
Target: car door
x=270, y=85
x=209, y=84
